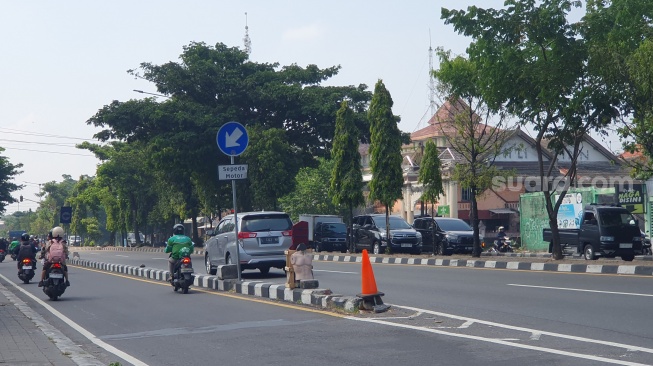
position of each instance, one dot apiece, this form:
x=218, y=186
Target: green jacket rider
x=178, y=241
x=14, y=244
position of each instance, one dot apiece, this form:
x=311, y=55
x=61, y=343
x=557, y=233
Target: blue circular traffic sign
x=232, y=138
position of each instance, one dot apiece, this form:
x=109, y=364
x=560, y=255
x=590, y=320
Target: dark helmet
x=24, y=237
x=178, y=229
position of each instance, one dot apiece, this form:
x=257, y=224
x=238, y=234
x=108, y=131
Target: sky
x=60, y=62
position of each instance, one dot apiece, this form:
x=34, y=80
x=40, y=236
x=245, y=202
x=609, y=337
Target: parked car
x=608, y=231
x=313, y=222
x=263, y=237
x=369, y=232
x=443, y=235
x=75, y=240
x=330, y=236
x=131, y=239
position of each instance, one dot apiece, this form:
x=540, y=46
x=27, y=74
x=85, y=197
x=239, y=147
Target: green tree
x=272, y=166
x=430, y=174
x=7, y=172
x=533, y=63
x=385, y=153
x=469, y=133
x=311, y=193
x=208, y=87
x=619, y=34
x=346, y=181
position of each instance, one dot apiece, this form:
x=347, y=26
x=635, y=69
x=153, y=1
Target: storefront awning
x=500, y=211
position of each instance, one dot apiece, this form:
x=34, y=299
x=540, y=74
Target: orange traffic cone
x=371, y=297
x=368, y=281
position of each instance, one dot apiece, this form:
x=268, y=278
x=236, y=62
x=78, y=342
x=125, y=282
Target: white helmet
x=501, y=228
x=57, y=232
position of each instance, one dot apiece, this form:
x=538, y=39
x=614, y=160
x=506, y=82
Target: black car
x=369, y=232
x=443, y=235
x=330, y=236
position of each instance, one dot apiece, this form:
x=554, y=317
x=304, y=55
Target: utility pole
x=246, y=40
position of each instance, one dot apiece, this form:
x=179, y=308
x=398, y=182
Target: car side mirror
x=210, y=232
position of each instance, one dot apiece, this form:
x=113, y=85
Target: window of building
x=466, y=194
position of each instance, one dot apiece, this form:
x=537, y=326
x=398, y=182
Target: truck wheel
x=376, y=248
x=628, y=258
x=588, y=253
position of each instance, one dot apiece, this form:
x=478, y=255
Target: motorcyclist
x=14, y=244
x=174, y=246
x=26, y=249
x=3, y=244
x=56, y=235
x=501, y=238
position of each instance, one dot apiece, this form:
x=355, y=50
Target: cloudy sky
x=62, y=61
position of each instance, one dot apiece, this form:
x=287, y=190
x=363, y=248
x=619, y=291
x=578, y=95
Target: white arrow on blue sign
x=232, y=138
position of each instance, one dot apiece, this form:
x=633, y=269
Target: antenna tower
x=432, y=91
x=246, y=40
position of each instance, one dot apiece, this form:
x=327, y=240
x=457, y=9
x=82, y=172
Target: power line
x=37, y=142
x=20, y=132
x=49, y=152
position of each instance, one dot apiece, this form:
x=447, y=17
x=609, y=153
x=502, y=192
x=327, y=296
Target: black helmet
x=24, y=237
x=178, y=229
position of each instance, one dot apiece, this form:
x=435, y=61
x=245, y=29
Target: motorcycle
x=26, y=272
x=3, y=254
x=646, y=245
x=54, y=284
x=183, y=277
x=503, y=245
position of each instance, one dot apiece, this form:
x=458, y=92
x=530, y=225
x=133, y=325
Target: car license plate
x=625, y=245
x=56, y=275
x=269, y=240
x=186, y=270
x=27, y=267
x=407, y=245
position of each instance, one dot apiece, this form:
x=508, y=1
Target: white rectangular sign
x=234, y=171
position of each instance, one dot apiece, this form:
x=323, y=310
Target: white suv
x=263, y=237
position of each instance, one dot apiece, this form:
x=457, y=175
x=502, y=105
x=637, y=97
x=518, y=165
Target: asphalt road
x=150, y=322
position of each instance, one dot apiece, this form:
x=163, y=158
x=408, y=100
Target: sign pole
x=232, y=140
x=233, y=191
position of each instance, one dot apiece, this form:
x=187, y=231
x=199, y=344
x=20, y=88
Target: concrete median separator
x=496, y=261
x=322, y=298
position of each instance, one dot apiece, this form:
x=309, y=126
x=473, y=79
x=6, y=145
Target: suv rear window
x=271, y=222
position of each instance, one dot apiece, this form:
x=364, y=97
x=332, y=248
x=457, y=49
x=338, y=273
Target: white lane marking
x=528, y=330
x=324, y=270
x=503, y=342
x=63, y=343
x=90, y=336
x=466, y=324
x=121, y=255
x=535, y=336
x=583, y=290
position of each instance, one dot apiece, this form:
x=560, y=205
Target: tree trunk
x=387, y=229
x=476, y=251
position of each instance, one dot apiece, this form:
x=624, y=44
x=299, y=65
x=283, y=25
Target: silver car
x=263, y=237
